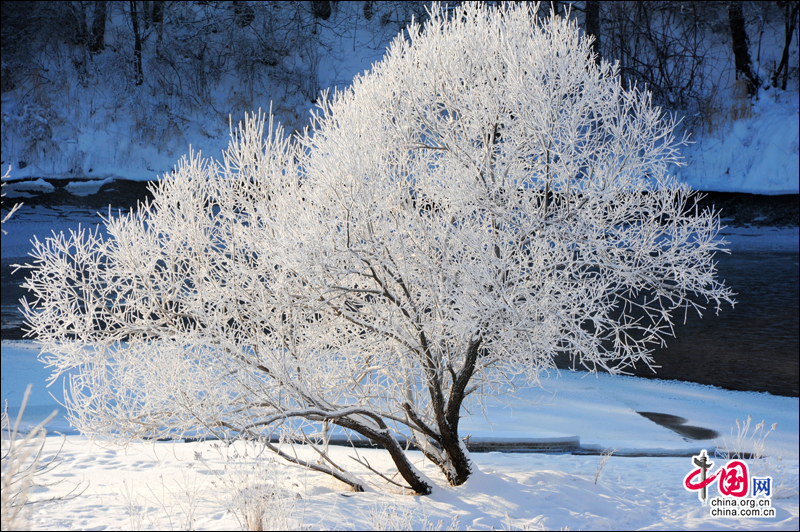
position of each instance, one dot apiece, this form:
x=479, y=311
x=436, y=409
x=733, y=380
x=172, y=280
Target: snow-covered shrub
x=20, y=462
x=260, y=497
x=749, y=446
x=390, y=514
x=23, y=465
x=30, y=128
x=486, y=198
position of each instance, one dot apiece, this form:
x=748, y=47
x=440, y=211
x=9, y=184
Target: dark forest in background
x=179, y=51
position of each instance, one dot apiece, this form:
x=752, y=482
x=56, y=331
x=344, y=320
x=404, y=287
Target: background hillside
x=95, y=89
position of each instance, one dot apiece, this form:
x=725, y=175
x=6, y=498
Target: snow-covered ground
x=201, y=485
x=181, y=485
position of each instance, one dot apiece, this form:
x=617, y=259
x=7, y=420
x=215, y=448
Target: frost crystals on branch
x=486, y=198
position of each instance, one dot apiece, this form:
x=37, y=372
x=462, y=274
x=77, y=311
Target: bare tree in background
x=741, y=48
x=137, y=44
x=661, y=45
x=592, y=25
x=790, y=14
x=98, y=42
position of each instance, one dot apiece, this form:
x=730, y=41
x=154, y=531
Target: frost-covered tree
x=485, y=199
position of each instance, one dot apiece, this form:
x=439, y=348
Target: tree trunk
x=137, y=46
x=384, y=438
x=741, y=47
x=158, y=12
x=82, y=32
x=98, y=42
x=459, y=467
x=790, y=11
x=147, y=12
x=451, y=443
x=158, y=19
x=592, y=26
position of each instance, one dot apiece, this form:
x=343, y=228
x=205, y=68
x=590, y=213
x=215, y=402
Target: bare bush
x=666, y=46
x=16, y=206
x=23, y=465
x=260, y=498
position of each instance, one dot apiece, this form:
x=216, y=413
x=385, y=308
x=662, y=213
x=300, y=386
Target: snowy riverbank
x=174, y=485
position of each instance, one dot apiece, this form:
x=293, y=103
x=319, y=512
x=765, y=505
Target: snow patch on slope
x=757, y=154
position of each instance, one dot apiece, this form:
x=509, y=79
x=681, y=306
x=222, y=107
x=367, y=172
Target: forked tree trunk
x=456, y=464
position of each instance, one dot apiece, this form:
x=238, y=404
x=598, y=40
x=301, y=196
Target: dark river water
x=754, y=346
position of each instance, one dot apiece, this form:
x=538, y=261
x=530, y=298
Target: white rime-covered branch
x=485, y=199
